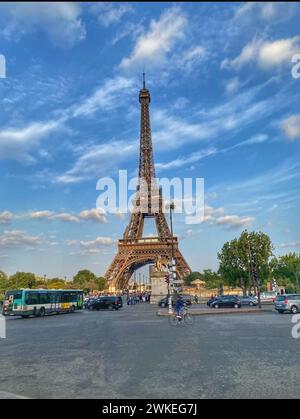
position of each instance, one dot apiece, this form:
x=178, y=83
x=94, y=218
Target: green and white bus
x=38, y=302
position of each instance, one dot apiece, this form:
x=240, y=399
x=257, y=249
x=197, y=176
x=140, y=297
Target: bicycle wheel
x=173, y=320
x=188, y=319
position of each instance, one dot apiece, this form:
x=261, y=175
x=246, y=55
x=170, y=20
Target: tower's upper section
x=144, y=93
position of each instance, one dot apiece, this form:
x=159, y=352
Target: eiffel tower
x=134, y=251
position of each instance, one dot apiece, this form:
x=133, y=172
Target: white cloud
x=234, y=221
x=16, y=143
x=266, y=54
x=97, y=160
x=109, y=13
x=183, y=161
x=217, y=216
x=65, y=216
x=94, y=214
x=39, y=215
x=267, y=11
x=99, y=241
x=291, y=127
x=256, y=139
x=18, y=238
x=291, y=244
x=6, y=217
x=232, y=86
x=50, y=215
x=154, y=47
x=106, y=97
x=60, y=21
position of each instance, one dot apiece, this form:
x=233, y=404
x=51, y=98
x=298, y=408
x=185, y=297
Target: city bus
x=39, y=302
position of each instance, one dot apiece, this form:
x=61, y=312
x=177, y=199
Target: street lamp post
x=172, y=270
x=254, y=275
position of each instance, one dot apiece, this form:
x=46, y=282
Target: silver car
x=287, y=302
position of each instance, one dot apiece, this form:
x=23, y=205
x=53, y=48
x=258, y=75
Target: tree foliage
x=237, y=256
x=286, y=270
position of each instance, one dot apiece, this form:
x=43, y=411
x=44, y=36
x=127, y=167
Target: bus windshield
x=16, y=294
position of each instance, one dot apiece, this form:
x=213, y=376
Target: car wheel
x=294, y=310
x=251, y=304
x=236, y=306
x=25, y=316
x=216, y=306
x=90, y=308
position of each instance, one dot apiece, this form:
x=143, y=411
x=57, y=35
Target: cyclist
x=179, y=306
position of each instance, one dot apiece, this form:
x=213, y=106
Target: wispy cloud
x=16, y=143
x=155, y=46
x=266, y=54
x=97, y=160
x=109, y=13
x=291, y=127
x=18, y=238
x=97, y=215
x=60, y=21
x=6, y=217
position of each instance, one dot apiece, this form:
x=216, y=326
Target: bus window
x=44, y=298
x=32, y=298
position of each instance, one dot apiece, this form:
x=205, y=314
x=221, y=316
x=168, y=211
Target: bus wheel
x=25, y=316
x=72, y=309
x=42, y=312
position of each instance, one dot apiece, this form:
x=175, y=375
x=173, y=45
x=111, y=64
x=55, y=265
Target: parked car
x=248, y=301
x=88, y=301
x=187, y=299
x=287, y=302
x=210, y=301
x=109, y=302
x=164, y=302
x=226, y=301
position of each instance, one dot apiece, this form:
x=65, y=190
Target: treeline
x=249, y=259
x=84, y=279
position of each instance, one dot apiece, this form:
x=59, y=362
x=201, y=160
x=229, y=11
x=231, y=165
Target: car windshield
x=280, y=298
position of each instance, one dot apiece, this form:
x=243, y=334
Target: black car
x=164, y=302
x=226, y=301
x=187, y=299
x=109, y=302
x=210, y=301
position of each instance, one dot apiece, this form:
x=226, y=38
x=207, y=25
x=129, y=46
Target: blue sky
x=224, y=107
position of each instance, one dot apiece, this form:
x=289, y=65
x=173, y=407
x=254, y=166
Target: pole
x=254, y=276
x=171, y=277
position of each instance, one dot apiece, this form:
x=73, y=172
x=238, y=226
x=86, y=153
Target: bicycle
x=182, y=317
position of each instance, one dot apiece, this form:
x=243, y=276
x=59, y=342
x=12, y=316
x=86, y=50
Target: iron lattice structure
x=135, y=251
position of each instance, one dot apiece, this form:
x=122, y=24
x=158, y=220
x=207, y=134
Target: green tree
x=212, y=279
x=56, y=283
x=286, y=270
x=236, y=256
x=22, y=280
x=84, y=276
x=3, y=284
x=101, y=283
x=192, y=277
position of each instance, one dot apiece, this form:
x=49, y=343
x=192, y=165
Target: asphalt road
x=133, y=353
